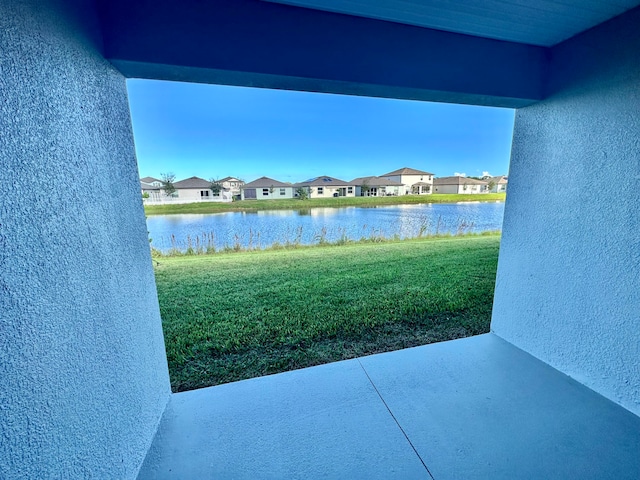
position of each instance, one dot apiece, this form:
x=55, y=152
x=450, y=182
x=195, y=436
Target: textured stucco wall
x=82, y=363
x=568, y=288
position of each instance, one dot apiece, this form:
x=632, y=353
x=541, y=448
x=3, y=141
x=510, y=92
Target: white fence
x=164, y=200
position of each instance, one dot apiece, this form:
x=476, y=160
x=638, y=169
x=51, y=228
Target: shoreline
x=296, y=204
x=197, y=248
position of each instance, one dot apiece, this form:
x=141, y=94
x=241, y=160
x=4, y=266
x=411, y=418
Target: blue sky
x=215, y=131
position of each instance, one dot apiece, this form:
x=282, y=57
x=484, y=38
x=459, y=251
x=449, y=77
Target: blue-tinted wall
x=568, y=286
x=83, y=375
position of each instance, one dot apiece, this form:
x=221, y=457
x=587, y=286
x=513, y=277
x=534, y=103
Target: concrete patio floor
x=475, y=408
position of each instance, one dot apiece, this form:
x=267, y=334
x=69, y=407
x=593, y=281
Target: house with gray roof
x=377, y=187
x=151, y=192
x=265, y=188
x=458, y=184
x=415, y=182
x=152, y=181
x=326, y=187
x=499, y=183
x=192, y=190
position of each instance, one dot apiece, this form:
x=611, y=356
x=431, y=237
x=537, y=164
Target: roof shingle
x=406, y=171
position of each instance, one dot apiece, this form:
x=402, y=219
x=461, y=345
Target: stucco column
x=82, y=363
x=568, y=288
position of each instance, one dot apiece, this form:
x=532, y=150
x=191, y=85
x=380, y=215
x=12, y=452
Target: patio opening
x=291, y=229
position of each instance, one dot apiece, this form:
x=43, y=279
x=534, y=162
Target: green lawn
x=296, y=204
x=228, y=317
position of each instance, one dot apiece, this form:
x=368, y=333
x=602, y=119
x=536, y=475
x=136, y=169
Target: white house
x=415, y=182
x=377, y=187
x=499, y=183
x=150, y=192
x=196, y=189
x=231, y=185
x=326, y=187
x=459, y=184
x=151, y=189
x=265, y=188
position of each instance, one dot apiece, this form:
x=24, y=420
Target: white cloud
x=486, y=174
x=458, y=174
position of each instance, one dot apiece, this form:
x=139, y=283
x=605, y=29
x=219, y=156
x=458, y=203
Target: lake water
x=263, y=228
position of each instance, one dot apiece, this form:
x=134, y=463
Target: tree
x=271, y=189
x=167, y=183
x=491, y=185
x=302, y=193
x=215, y=186
x=364, y=189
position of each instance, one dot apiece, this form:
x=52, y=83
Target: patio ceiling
x=535, y=22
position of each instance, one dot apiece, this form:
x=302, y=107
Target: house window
x=204, y=193
x=265, y=192
x=320, y=190
x=282, y=191
x=349, y=189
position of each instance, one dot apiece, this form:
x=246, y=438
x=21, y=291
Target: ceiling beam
x=254, y=43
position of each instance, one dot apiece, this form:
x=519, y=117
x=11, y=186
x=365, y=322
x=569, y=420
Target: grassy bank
x=296, y=204
x=229, y=317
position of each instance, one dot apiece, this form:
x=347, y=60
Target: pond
x=316, y=225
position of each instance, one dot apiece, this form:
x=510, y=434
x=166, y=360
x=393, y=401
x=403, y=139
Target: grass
x=296, y=204
x=231, y=317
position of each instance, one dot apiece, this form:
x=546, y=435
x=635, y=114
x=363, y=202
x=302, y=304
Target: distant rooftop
x=265, y=182
x=500, y=179
x=150, y=180
x=458, y=181
x=376, y=182
x=323, y=181
x=406, y=171
x=148, y=186
x=192, y=182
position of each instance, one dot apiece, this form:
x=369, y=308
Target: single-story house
x=325, y=187
x=195, y=189
x=265, y=188
x=499, y=183
x=459, y=184
x=151, y=191
x=416, y=182
x=377, y=187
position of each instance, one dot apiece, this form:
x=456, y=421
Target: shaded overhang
x=264, y=44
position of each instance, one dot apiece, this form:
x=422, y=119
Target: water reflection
x=263, y=228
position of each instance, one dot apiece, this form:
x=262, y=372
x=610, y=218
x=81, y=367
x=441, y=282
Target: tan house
x=460, y=185
x=499, y=183
x=326, y=187
x=265, y=188
x=415, y=182
x=377, y=187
